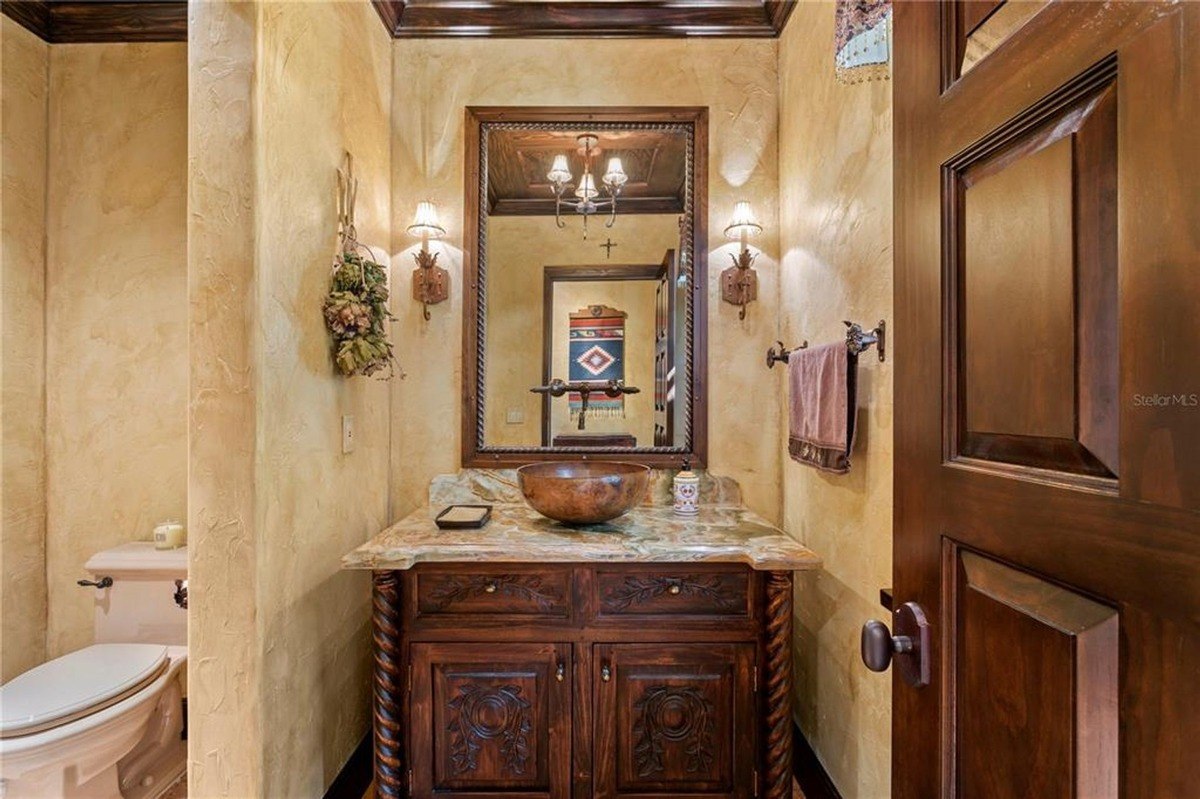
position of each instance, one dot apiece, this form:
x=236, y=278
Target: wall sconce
x=739, y=283
x=430, y=282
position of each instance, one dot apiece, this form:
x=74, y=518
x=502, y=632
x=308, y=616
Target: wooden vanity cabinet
x=568, y=680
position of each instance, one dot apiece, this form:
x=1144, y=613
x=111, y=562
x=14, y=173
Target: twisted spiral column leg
x=777, y=782
x=388, y=685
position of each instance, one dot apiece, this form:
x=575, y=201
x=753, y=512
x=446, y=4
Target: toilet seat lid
x=76, y=685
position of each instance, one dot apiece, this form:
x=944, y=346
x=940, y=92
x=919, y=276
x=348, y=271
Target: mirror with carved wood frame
x=678, y=390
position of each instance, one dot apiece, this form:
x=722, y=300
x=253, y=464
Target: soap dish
x=463, y=517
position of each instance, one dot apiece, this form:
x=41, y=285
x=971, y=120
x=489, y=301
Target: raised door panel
x=1033, y=687
x=674, y=719
x=1032, y=286
x=491, y=719
x=974, y=29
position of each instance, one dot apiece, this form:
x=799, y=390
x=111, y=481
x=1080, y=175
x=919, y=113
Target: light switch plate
x=347, y=433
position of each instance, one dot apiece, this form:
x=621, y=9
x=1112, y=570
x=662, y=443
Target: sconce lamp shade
x=560, y=172
x=743, y=224
x=426, y=222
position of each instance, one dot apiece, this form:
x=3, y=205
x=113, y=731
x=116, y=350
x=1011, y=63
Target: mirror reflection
x=585, y=340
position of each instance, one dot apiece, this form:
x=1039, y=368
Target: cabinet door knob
x=560, y=673
x=605, y=672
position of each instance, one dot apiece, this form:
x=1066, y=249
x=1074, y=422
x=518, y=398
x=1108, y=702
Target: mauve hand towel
x=822, y=406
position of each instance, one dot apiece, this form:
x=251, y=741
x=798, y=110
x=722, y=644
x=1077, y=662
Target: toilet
x=107, y=721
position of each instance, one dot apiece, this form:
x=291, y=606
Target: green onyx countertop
x=723, y=532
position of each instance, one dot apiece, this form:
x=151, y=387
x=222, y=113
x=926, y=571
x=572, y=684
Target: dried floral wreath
x=355, y=313
x=356, y=310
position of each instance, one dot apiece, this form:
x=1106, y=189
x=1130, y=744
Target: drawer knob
x=674, y=589
x=490, y=587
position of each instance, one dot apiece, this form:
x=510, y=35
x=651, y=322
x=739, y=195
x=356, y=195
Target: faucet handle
x=103, y=582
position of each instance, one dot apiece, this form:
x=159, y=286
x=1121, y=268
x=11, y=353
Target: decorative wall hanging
x=356, y=307
x=862, y=40
x=597, y=355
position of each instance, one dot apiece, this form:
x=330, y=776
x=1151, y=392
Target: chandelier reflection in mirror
x=586, y=193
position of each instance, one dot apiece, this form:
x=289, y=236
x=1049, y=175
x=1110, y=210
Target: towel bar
x=858, y=341
x=782, y=354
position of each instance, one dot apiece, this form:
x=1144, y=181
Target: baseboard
x=353, y=781
x=811, y=776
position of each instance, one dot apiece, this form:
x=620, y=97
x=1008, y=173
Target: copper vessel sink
x=583, y=492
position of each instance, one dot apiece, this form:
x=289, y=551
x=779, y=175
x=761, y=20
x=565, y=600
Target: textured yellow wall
x=279, y=91
x=836, y=215
x=116, y=311
x=518, y=249
x=225, y=735
x=24, y=64
x=436, y=79
x=325, y=87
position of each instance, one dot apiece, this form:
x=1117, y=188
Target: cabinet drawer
x=673, y=592
x=462, y=593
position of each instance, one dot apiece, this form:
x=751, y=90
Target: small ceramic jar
x=686, y=491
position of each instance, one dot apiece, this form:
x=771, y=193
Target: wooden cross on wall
x=608, y=245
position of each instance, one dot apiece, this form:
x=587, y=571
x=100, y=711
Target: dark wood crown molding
x=588, y=18
x=84, y=21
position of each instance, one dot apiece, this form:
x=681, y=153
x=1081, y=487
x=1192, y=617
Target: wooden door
x=491, y=719
x=674, y=719
x=1047, y=241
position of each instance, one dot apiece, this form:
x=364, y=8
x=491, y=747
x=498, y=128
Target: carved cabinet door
x=674, y=719
x=491, y=718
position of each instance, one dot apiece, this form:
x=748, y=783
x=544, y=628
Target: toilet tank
x=139, y=606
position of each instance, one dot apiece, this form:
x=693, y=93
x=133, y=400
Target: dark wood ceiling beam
x=590, y=18
x=389, y=11
x=78, y=21
x=33, y=15
x=626, y=206
x=778, y=12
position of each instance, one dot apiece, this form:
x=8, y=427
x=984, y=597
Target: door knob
x=909, y=647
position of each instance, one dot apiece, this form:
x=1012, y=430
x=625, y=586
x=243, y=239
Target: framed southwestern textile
x=597, y=355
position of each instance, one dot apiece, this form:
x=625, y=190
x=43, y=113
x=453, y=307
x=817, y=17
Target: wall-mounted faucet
x=558, y=387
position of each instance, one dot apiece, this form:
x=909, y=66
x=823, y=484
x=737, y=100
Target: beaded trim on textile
x=862, y=40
